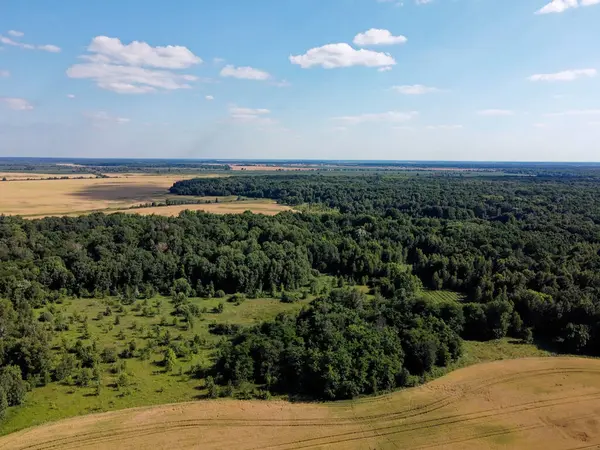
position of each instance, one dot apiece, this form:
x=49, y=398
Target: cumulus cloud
x=15, y=33
x=566, y=75
x=135, y=68
x=415, y=89
x=332, y=56
x=389, y=116
x=4, y=74
x=244, y=73
x=209, y=97
x=17, y=104
x=496, y=112
x=376, y=36
x=8, y=41
x=71, y=96
x=559, y=6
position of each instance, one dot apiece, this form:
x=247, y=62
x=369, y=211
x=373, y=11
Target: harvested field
x=22, y=176
x=269, y=208
x=549, y=403
x=42, y=198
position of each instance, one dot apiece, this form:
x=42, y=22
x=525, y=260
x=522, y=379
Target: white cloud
x=390, y=116
x=422, y=2
x=332, y=56
x=8, y=41
x=576, y=112
x=18, y=104
x=132, y=68
x=244, y=73
x=251, y=115
x=209, y=97
x=376, y=36
x=559, y=6
x=111, y=50
x=566, y=75
x=495, y=112
x=384, y=69
x=415, y=89
x=49, y=48
x=101, y=118
x=70, y=95
x=218, y=61
x=15, y=33
x=4, y=74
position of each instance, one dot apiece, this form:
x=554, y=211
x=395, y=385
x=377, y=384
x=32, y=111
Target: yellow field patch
x=269, y=208
x=10, y=176
x=495, y=405
x=70, y=197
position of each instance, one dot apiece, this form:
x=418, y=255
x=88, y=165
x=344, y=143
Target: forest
x=522, y=251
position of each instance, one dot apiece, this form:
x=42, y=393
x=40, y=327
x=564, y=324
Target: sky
x=495, y=80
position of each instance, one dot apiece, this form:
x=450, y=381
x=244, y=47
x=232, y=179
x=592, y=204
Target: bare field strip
x=549, y=403
x=42, y=198
x=269, y=208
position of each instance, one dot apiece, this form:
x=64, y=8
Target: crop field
x=550, y=403
x=267, y=207
x=21, y=176
x=42, y=198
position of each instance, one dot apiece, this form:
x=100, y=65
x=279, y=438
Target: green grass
x=150, y=384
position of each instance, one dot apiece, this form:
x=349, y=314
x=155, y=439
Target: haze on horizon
x=466, y=80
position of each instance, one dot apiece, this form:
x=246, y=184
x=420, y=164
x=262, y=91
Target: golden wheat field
x=42, y=198
x=269, y=208
x=534, y=403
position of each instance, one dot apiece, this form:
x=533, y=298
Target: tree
x=211, y=387
x=13, y=385
x=170, y=359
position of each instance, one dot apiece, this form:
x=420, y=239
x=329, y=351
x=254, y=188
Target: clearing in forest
x=550, y=403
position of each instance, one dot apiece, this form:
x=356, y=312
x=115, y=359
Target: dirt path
x=549, y=403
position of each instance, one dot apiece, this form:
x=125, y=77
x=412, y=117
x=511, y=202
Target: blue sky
x=338, y=79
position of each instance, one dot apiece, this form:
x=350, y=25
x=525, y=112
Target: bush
x=220, y=293
x=289, y=297
x=15, y=388
x=46, y=316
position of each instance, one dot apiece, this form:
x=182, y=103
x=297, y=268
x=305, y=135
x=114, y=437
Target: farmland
x=528, y=403
x=41, y=198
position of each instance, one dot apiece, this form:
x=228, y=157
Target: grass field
x=149, y=382
x=16, y=176
x=42, y=198
x=533, y=403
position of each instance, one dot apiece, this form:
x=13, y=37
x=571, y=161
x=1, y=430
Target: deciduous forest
x=523, y=252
